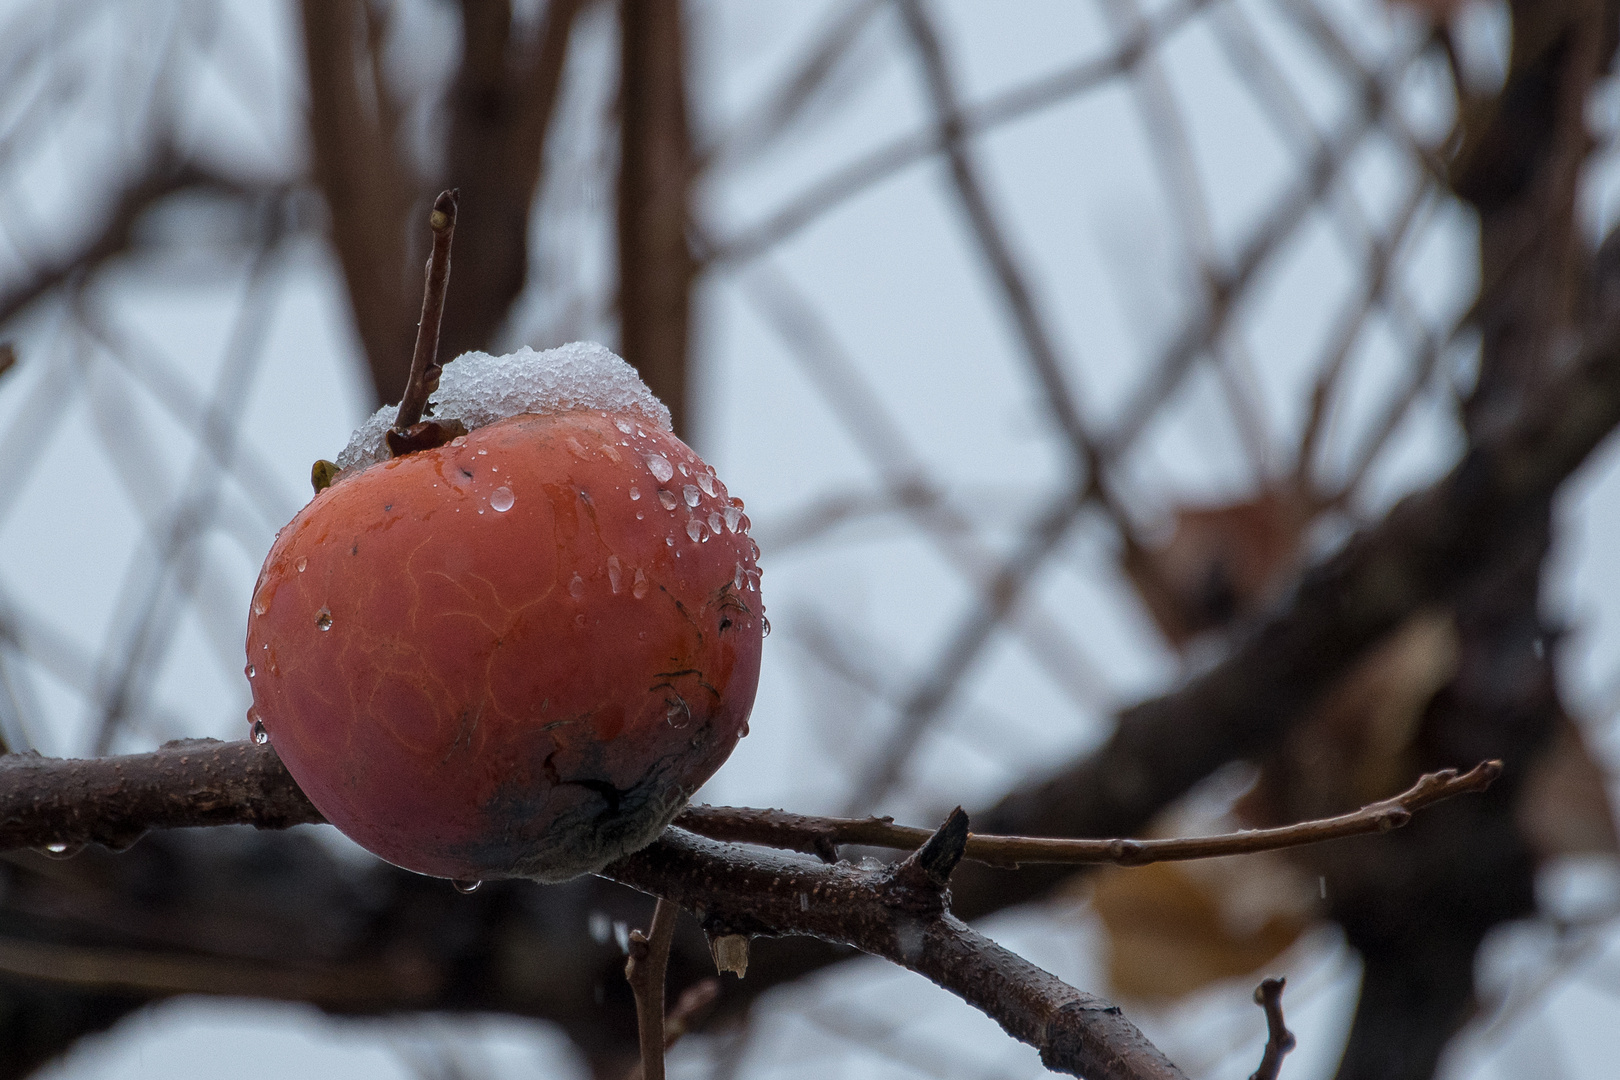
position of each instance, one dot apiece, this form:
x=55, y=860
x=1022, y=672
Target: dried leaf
x=1174, y=928
x=1563, y=806
x=1220, y=563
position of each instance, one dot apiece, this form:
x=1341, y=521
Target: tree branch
x=645, y=970
x=1279, y=1040
x=899, y=914
x=823, y=836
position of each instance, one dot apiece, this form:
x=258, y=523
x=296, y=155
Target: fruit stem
x=425, y=367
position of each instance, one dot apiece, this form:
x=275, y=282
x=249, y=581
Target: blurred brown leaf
x=1221, y=562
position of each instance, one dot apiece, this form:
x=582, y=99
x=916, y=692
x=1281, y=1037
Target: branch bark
x=656, y=268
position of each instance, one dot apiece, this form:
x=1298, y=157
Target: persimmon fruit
x=514, y=655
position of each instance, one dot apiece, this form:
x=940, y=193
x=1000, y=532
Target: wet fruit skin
x=473, y=692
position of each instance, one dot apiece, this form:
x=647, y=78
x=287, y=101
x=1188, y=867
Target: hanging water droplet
x=261, y=602
x=501, y=500
x=743, y=734
x=635, y=493
x=706, y=482
x=260, y=735
x=765, y=625
x=733, y=515
x=467, y=886
x=690, y=494
x=694, y=528
x=624, y=426
x=614, y=574
x=666, y=499
x=323, y=619
x=576, y=587
x=714, y=522
x=659, y=466
x=251, y=671
x=638, y=587
x=303, y=564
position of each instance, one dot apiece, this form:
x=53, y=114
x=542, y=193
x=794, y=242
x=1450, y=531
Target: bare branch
x=368, y=184
x=1279, y=1040
x=823, y=836
x=1034, y=333
x=907, y=150
x=500, y=110
x=645, y=968
x=656, y=268
x=425, y=367
x=900, y=917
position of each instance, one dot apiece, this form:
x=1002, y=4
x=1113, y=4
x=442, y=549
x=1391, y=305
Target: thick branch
x=763, y=893
x=112, y=801
x=656, y=267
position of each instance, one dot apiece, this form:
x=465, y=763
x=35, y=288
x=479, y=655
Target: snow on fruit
x=517, y=654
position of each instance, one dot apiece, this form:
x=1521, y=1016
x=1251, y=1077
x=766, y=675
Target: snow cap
x=479, y=389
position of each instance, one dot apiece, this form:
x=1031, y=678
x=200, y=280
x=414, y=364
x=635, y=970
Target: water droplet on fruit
x=684, y=470
x=624, y=426
x=303, y=564
x=638, y=588
x=660, y=467
x=323, y=619
x=482, y=452
x=640, y=516
x=714, y=522
x=706, y=482
x=669, y=541
x=467, y=886
x=690, y=493
x=576, y=587
x=765, y=625
x=261, y=602
x=500, y=500
x=694, y=528
x=614, y=574
x=666, y=499
x=733, y=515
x=492, y=468
x=251, y=671
x=579, y=620
x=743, y=734
x=260, y=735
x=738, y=578
x=635, y=493
x=459, y=440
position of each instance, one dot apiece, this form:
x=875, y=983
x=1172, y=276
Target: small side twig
x=1279, y=1040
x=689, y=1007
x=649, y=959
x=425, y=367
x=822, y=836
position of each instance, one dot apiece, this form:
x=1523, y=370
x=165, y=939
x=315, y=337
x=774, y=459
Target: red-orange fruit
x=516, y=655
